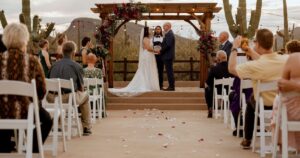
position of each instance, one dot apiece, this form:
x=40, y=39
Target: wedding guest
x=265, y=66
x=61, y=39
x=217, y=72
x=225, y=44
x=66, y=68
x=85, y=50
x=44, y=56
x=18, y=65
x=157, y=41
x=2, y=46
x=91, y=71
x=290, y=83
x=293, y=46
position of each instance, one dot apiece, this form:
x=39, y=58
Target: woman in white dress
x=146, y=76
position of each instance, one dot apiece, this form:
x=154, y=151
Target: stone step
x=160, y=106
x=177, y=83
x=162, y=100
x=166, y=94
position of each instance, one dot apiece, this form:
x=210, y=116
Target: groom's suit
x=167, y=55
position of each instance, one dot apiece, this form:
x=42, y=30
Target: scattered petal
x=165, y=145
x=124, y=116
x=128, y=152
x=194, y=151
x=125, y=146
x=183, y=122
x=123, y=140
x=172, y=126
x=201, y=140
x=134, y=112
x=217, y=155
x=160, y=134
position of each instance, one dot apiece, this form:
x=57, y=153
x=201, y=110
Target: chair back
x=20, y=88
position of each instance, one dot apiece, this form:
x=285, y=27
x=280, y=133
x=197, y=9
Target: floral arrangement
x=130, y=11
x=126, y=11
x=207, y=43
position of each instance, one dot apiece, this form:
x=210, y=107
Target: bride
x=146, y=76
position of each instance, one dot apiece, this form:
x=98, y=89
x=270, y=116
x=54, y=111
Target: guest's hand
x=237, y=42
x=286, y=85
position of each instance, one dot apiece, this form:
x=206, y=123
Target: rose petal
x=160, y=134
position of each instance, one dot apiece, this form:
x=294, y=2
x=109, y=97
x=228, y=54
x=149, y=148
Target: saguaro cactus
x=239, y=26
x=286, y=23
x=35, y=30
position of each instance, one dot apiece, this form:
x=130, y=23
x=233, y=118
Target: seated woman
x=44, y=56
x=16, y=64
x=91, y=71
x=291, y=82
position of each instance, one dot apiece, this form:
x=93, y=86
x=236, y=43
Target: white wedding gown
x=145, y=78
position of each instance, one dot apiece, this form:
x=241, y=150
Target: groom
x=167, y=55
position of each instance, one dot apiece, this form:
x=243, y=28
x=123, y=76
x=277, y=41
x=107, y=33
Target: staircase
x=188, y=96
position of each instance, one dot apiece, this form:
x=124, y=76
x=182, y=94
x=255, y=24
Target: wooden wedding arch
x=202, y=12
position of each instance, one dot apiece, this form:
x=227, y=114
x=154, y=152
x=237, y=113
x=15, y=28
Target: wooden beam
x=195, y=27
x=169, y=17
x=165, y=7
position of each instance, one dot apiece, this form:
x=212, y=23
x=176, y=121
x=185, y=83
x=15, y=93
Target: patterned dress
x=16, y=106
x=92, y=73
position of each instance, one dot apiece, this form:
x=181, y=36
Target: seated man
x=66, y=68
x=217, y=72
x=266, y=66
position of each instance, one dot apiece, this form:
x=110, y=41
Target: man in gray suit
x=167, y=54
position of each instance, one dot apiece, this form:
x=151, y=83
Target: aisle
x=157, y=134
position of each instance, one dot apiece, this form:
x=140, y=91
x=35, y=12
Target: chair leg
x=55, y=133
x=69, y=126
x=262, y=137
x=77, y=121
x=62, y=121
x=29, y=143
x=20, y=139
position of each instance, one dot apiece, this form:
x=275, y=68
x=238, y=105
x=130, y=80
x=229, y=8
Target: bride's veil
x=141, y=49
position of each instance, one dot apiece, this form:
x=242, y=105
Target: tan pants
x=84, y=108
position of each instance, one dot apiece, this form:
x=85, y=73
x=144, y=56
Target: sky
x=63, y=11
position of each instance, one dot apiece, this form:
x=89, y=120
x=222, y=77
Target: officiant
x=157, y=41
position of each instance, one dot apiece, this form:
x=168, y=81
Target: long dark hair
x=146, y=31
x=160, y=31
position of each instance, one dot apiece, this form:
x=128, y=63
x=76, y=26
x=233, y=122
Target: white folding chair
x=71, y=107
x=29, y=90
x=285, y=125
x=263, y=115
x=53, y=85
x=245, y=84
x=95, y=97
x=102, y=93
x=217, y=98
x=227, y=83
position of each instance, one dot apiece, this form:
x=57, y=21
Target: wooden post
x=191, y=68
x=111, y=64
x=125, y=70
x=203, y=64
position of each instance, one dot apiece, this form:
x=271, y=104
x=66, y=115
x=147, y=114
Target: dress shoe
x=87, y=132
x=210, y=114
x=169, y=89
x=246, y=144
